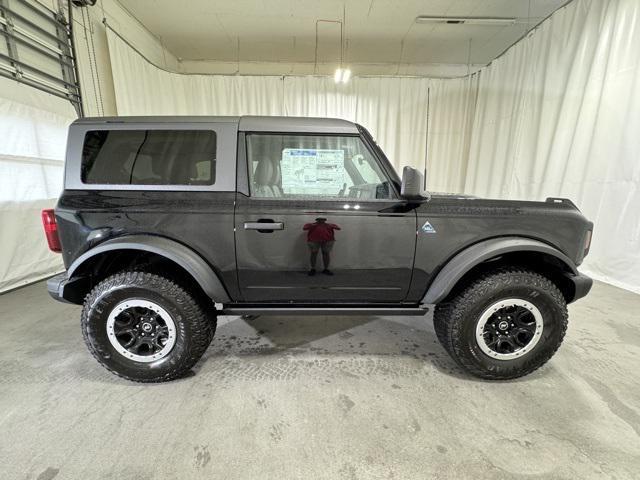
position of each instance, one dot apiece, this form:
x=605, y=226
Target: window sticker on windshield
x=312, y=171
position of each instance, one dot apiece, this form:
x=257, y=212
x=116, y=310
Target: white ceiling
x=376, y=31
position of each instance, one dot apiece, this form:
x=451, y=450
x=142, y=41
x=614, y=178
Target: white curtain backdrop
x=557, y=115
x=393, y=109
x=33, y=129
x=451, y=111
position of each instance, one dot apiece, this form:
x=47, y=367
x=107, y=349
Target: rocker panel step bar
x=323, y=311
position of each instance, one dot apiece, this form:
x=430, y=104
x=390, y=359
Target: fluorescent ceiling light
x=467, y=20
x=342, y=75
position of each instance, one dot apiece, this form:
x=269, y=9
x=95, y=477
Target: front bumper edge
x=581, y=285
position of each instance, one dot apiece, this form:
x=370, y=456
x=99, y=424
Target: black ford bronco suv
x=166, y=222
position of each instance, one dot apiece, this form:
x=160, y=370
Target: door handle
x=264, y=226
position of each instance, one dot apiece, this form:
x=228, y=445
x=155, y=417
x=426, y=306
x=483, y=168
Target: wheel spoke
x=135, y=348
x=507, y=340
x=129, y=342
x=493, y=342
x=522, y=336
x=162, y=331
x=524, y=318
x=125, y=319
x=149, y=345
x=124, y=331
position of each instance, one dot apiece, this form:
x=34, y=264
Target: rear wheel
x=144, y=327
x=503, y=325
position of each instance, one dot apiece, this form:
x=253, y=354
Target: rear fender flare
x=186, y=258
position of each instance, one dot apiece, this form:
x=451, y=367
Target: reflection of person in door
x=320, y=237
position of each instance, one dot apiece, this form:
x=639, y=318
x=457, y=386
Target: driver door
x=322, y=223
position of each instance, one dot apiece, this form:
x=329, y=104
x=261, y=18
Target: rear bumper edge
x=63, y=289
x=55, y=287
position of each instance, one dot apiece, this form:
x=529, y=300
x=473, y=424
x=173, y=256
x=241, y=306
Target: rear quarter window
x=149, y=157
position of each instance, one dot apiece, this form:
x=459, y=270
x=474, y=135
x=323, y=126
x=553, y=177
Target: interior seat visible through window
x=314, y=166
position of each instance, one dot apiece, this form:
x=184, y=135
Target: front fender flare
x=480, y=252
x=193, y=263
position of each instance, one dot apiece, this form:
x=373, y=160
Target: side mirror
x=412, y=185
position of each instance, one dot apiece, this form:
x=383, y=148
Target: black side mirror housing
x=413, y=185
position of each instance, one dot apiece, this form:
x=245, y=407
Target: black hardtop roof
x=245, y=123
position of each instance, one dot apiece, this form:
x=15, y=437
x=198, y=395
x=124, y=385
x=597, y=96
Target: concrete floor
x=320, y=398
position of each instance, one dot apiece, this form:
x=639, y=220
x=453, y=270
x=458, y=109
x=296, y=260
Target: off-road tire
x=195, y=326
x=456, y=320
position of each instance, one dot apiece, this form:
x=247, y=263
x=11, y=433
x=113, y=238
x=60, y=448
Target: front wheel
x=504, y=325
x=144, y=327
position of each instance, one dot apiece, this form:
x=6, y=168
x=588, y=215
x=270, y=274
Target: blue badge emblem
x=428, y=228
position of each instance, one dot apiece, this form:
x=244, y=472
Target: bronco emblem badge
x=428, y=228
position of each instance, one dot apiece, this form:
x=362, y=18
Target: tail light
x=51, y=230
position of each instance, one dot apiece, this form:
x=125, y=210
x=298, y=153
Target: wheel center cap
x=146, y=327
x=503, y=325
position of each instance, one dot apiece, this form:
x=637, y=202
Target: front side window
x=314, y=167
x=149, y=157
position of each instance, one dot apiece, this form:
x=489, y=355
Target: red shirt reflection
x=320, y=231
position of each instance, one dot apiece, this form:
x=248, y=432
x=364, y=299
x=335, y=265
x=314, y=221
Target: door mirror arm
x=403, y=205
